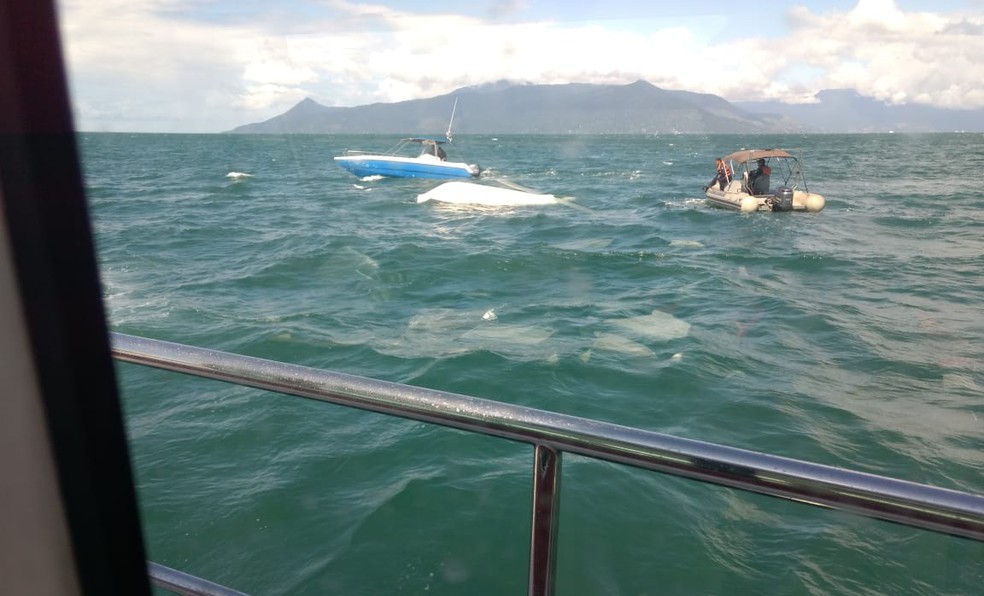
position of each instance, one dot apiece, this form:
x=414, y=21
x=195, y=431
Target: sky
x=211, y=65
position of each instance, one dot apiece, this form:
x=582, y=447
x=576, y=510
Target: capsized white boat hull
x=472, y=193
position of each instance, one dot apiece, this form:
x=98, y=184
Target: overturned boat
x=752, y=180
x=495, y=193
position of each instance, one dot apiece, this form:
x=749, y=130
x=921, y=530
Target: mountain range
x=637, y=108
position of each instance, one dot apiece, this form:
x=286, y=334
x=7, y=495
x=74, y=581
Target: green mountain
x=503, y=108
x=637, y=108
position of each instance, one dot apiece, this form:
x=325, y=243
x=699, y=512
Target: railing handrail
x=180, y=582
x=918, y=505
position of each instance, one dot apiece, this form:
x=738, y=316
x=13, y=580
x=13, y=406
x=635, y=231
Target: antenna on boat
x=455, y=107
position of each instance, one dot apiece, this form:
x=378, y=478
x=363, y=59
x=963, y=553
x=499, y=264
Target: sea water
x=852, y=337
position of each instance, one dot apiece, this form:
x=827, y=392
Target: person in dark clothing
x=758, y=179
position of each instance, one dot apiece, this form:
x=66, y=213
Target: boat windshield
x=786, y=169
x=430, y=147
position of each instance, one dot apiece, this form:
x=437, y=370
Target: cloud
x=501, y=9
x=148, y=67
x=894, y=56
x=275, y=66
x=177, y=65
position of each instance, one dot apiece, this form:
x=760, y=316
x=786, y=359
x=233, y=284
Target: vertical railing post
x=543, y=535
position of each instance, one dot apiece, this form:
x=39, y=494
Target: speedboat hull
x=424, y=166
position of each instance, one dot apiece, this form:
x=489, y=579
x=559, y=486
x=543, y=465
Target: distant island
x=637, y=108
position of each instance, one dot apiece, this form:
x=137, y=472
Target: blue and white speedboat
x=405, y=161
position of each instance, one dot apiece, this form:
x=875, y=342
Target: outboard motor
x=783, y=200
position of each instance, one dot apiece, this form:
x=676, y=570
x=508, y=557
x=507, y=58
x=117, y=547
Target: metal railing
x=917, y=505
x=180, y=582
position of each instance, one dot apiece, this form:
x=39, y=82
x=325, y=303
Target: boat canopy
x=422, y=140
x=752, y=154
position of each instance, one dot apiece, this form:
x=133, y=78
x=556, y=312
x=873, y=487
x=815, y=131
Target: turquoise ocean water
x=853, y=337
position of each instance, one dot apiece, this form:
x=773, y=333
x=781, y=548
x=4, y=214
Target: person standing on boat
x=433, y=148
x=758, y=179
x=722, y=177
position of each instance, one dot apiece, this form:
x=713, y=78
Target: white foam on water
x=503, y=335
x=516, y=342
x=585, y=245
x=953, y=381
x=348, y=260
x=126, y=303
x=658, y=325
x=439, y=333
x=430, y=333
x=616, y=343
x=687, y=243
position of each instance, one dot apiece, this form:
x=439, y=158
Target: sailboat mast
x=455, y=107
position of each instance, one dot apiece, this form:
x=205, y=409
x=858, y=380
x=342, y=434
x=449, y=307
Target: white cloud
x=895, y=56
x=277, y=67
x=160, y=61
